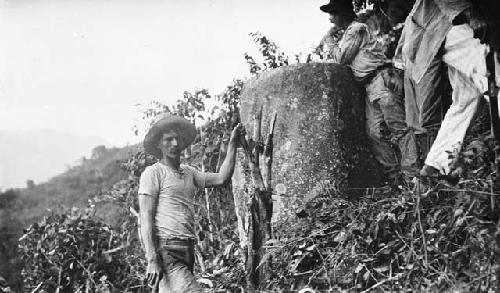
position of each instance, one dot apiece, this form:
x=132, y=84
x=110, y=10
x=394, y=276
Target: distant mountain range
x=40, y=154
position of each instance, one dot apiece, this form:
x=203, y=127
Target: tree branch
x=255, y=151
x=268, y=152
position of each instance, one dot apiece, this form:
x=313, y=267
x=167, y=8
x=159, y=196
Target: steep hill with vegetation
x=21, y=207
x=444, y=239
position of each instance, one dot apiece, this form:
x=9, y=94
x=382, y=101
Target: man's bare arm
x=147, y=205
x=147, y=208
x=227, y=167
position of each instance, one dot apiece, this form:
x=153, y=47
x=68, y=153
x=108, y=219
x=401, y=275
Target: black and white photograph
x=302, y=146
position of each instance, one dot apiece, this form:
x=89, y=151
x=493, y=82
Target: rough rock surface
x=319, y=143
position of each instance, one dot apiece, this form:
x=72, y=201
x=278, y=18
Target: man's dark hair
x=487, y=10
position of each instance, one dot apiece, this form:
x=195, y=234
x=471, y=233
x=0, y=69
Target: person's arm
x=329, y=44
x=326, y=40
x=147, y=205
x=355, y=37
x=398, y=59
x=227, y=167
x=148, y=197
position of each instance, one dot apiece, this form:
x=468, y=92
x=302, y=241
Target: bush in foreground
x=74, y=252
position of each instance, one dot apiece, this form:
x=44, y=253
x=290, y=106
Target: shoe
x=431, y=175
x=431, y=172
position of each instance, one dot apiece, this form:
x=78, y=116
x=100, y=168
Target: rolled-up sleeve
x=148, y=183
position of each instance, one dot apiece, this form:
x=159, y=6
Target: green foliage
x=226, y=269
x=446, y=239
x=380, y=242
x=443, y=240
x=124, y=192
x=22, y=207
x=272, y=56
x=191, y=106
x=74, y=252
x=72, y=188
x=360, y=5
x=148, y=114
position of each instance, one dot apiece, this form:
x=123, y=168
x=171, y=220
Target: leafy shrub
x=438, y=242
x=445, y=239
x=74, y=252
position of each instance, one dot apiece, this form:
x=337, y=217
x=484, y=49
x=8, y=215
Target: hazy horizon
x=39, y=155
x=82, y=66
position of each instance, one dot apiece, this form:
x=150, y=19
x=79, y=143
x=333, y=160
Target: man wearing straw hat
x=166, y=200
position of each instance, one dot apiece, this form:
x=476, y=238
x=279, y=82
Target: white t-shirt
x=174, y=217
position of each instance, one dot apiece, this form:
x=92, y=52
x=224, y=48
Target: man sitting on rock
x=384, y=106
x=166, y=200
x=341, y=16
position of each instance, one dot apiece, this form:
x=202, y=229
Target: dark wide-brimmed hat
x=166, y=122
x=343, y=7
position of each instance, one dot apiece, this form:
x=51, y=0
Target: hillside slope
x=21, y=207
x=39, y=154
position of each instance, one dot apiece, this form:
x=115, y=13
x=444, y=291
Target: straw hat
x=163, y=123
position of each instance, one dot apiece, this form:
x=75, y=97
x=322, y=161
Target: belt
x=179, y=249
x=375, y=72
x=176, y=242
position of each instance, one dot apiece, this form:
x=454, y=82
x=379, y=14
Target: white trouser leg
x=456, y=121
x=465, y=58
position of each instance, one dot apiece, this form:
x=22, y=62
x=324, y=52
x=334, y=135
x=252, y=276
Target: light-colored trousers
x=466, y=61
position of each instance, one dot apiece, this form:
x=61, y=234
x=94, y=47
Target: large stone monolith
x=320, y=144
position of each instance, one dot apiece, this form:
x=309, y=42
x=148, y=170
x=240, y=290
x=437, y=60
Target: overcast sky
x=80, y=66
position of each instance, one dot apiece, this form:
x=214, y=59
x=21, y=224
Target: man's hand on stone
x=237, y=131
x=154, y=274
